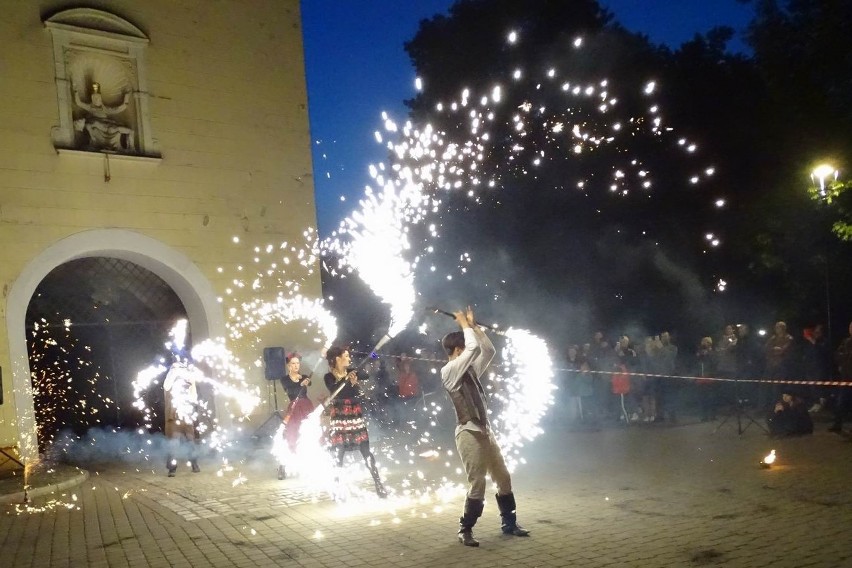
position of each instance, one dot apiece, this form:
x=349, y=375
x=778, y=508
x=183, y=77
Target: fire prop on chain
x=225, y=376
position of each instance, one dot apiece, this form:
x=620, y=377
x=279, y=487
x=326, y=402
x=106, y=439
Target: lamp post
x=820, y=174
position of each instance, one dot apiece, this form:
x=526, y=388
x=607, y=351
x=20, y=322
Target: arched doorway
x=92, y=324
x=179, y=272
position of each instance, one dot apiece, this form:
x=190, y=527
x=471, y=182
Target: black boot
x=510, y=525
x=370, y=461
x=282, y=473
x=171, y=465
x=195, y=468
x=472, y=512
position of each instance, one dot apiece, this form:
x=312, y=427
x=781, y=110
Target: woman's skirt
x=296, y=412
x=347, y=429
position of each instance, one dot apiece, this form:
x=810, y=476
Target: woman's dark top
x=349, y=391
x=293, y=388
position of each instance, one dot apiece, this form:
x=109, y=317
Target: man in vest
x=470, y=352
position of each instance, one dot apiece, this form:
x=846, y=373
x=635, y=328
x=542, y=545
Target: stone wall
x=227, y=107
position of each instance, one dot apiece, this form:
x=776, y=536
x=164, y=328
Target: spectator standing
x=602, y=360
x=578, y=384
x=816, y=364
x=726, y=353
x=843, y=408
x=408, y=386
x=726, y=364
x=623, y=384
x=748, y=361
x=667, y=387
x=705, y=360
x=599, y=351
x=650, y=364
x=778, y=350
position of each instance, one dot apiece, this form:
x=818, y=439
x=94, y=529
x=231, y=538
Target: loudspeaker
x=274, y=363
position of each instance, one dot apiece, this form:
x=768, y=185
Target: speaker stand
x=264, y=429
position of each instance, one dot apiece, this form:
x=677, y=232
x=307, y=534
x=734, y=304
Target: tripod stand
x=270, y=424
x=740, y=413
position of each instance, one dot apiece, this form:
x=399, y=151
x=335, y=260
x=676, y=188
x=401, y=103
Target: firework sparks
x=532, y=121
x=524, y=402
x=229, y=384
x=66, y=383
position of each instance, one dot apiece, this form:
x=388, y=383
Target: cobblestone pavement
x=642, y=496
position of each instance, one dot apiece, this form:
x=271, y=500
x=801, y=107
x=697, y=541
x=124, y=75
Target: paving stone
x=648, y=496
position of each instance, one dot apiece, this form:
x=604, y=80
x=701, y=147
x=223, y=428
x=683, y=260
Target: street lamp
x=821, y=174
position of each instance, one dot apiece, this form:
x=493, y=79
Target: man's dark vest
x=469, y=401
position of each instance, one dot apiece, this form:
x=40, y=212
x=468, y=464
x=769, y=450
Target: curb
x=46, y=489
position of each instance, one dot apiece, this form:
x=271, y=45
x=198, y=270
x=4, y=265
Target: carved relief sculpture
x=101, y=85
x=102, y=131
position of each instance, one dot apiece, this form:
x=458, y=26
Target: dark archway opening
x=92, y=324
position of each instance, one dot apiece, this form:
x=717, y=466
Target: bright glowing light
x=518, y=422
x=823, y=172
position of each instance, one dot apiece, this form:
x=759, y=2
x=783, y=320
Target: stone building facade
x=154, y=133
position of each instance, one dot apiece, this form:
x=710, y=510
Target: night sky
x=357, y=68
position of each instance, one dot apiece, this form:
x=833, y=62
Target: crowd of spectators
x=651, y=380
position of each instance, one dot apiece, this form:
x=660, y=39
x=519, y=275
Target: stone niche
x=100, y=84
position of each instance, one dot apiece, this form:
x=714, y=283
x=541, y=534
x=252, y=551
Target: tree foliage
x=573, y=258
x=593, y=254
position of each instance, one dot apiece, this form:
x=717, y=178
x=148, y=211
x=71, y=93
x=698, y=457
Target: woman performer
x=296, y=386
x=347, y=430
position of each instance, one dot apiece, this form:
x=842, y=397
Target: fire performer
x=296, y=385
x=347, y=428
x=181, y=413
x=470, y=352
